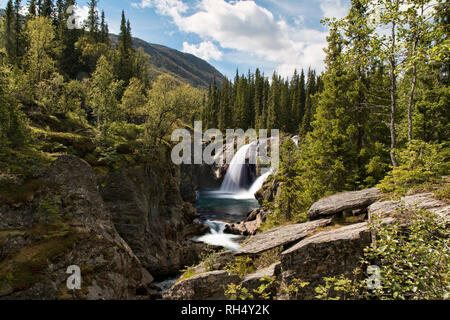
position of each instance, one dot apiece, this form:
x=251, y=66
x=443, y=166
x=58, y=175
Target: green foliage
x=241, y=266
x=208, y=259
x=169, y=101
x=414, y=258
x=237, y=292
x=268, y=288
x=292, y=290
x=422, y=163
x=251, y=101
x=266, y=291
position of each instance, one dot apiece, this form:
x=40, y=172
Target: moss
x=13, y=194
x=27, y=265
x=80, y=144
x=189, y=272
x=22, y=162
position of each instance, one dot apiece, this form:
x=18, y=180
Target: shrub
x=421, y=163
x=414, y=260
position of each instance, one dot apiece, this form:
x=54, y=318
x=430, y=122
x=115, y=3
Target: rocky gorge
x=132, y=226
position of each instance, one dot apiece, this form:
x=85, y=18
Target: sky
x=281, y=35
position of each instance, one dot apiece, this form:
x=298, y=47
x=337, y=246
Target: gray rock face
x=150, y=214
x=280, y=236
x=205, y=286
x=421, y=201
x=343, y=201
x=41, y=251
x=328, y=253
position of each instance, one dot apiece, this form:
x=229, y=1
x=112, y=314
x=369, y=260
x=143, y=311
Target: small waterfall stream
x=232, y=202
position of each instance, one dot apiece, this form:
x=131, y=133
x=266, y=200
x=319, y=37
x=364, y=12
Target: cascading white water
x=236, y=171
x=259, y=183
x=217, y=236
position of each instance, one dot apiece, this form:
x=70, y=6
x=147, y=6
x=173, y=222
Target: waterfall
x=237, y=177
x=259, y=183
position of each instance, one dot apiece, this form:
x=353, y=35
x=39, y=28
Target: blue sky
x=273, y=35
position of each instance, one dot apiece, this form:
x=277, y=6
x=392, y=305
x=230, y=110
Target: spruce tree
x=47, y=8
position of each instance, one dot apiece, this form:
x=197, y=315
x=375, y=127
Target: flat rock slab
x=205, y=286
x=421, y=201
x=343, y=201
x=280, y=236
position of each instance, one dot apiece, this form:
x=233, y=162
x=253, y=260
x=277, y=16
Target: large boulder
x=281, y=236
x=325, y=254
x=205, y=286
x=421, y=201
x=340, y=202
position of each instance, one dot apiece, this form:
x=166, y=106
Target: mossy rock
x=27, y=266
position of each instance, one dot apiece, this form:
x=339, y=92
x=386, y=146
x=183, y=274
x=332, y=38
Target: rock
x=205, y=286
x=151, y=216
x=281, y=236
x=252, y=281
x=343, y=201
x=70, y=225
x=250, y=227
x=421, y=201
x=325, y=254
x=245, y=228
x=269, y=191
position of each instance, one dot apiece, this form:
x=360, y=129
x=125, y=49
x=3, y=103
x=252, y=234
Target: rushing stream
x=231, y=203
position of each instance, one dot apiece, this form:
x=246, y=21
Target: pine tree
x=9, y=32
x=125, y=50
x=93, y=20
x=47, y=8
x=32, y=9
x=104, y=31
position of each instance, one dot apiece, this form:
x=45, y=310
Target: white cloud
x=205, y=50
x=245, y=26
x=334, y=8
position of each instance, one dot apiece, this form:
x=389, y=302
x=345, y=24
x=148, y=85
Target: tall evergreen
x=104, y=31
x=32, y=9
x=93, y=20
x=47, y=8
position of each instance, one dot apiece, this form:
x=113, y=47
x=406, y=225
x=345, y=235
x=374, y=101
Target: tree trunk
x=393, y=98
x=411, y=93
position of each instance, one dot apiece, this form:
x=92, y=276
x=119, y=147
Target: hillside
x=186, y=66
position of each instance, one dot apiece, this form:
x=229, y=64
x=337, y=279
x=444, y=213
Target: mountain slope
x=185, y=66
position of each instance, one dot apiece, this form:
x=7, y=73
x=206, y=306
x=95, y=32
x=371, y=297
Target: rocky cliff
x=120, y=228
x=149, y=213
x=64, y=222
